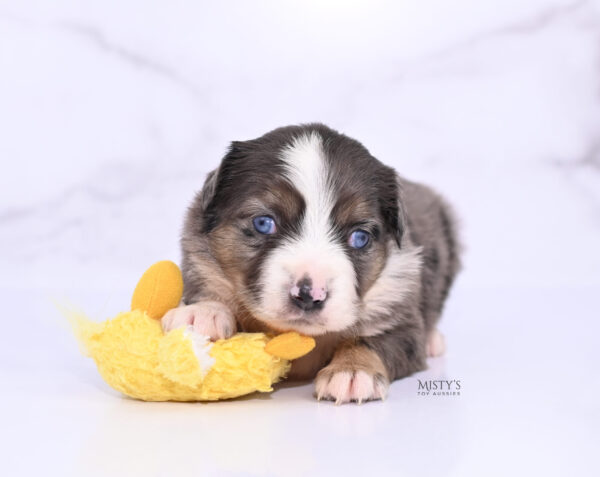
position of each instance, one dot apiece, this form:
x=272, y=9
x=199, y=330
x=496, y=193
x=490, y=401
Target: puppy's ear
x=217, y=189
x=391, y=206
x=207, y=195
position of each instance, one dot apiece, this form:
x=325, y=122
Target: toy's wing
x=159, y=289
x=290, y=345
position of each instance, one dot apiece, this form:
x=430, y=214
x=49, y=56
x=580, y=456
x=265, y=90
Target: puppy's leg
x=210, y=318
x=363, y=370
x=436, y=345
x=402, y=349
x=356, y=373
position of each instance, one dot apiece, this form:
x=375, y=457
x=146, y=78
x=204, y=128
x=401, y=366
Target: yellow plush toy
x=135, y=357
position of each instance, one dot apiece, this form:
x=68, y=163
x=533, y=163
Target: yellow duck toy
x=135, y=357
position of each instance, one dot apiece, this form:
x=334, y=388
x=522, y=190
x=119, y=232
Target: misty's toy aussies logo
x=439, y=387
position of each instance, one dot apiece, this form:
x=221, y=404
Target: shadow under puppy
x=302, y=229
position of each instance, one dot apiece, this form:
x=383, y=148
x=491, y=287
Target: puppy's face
x=302, y=220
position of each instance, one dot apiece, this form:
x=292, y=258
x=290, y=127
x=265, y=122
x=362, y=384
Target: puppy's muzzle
x=306, y=296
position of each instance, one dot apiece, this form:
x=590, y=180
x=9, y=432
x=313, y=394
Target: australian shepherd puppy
x=302, y=229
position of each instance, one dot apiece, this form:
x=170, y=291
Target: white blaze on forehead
x=315, y=252
x=307, y=171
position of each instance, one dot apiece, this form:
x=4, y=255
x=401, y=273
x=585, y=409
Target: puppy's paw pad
x=350, y=386
x=436, y=345
x=209, y=318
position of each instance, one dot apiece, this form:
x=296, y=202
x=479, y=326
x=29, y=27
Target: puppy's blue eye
x=359, y=239
x=264, y=224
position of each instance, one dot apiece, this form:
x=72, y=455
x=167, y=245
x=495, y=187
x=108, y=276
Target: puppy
x=302, y=229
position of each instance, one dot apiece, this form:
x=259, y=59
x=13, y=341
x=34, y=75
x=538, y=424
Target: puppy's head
x=301, y=221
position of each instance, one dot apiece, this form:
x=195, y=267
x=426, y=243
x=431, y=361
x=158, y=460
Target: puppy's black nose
x=305, y=297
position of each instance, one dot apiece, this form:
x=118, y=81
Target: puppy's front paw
x=350, y=385
x=209, y=318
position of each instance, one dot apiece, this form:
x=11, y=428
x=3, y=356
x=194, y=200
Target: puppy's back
x=431, y=225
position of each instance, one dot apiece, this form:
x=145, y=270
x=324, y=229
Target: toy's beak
x=159, y=289
x=290, y=345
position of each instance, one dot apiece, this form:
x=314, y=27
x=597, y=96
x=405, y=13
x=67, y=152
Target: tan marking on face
x=230, y=255
x=371, y=273
x=229, y=246
x=351, y=209
x=205, y=268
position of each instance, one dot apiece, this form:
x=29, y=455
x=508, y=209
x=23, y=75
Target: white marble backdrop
x=111, y=114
